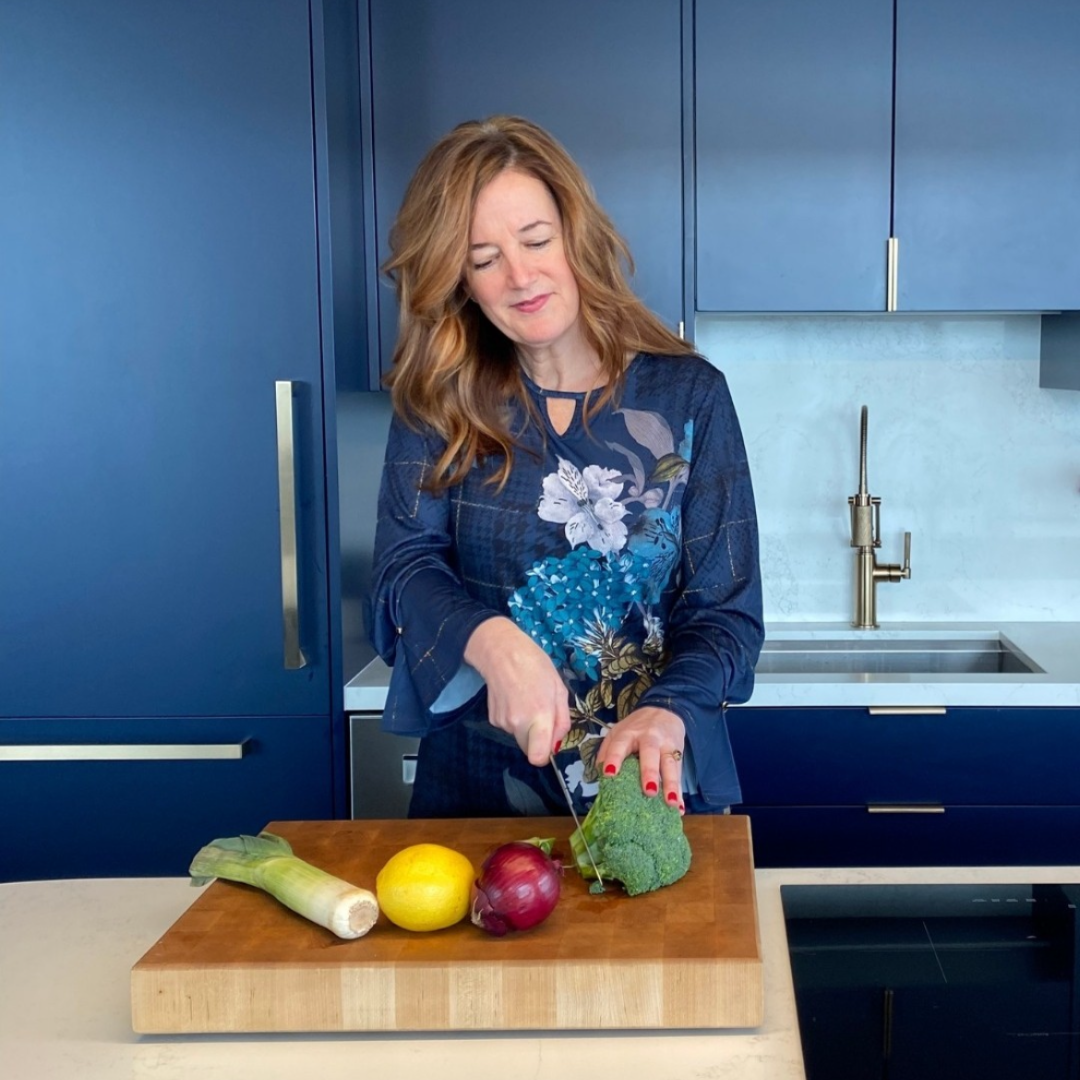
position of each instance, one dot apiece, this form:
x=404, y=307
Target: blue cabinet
x=166, y=271
x=128, y=798
x=792, y=143
x=605, y=77
x=807, y=161
x=987, y=158
x=972, y=786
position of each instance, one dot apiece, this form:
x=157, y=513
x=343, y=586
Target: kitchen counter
x=67, y=947
x=1053, y=646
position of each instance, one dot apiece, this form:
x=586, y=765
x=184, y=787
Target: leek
x=267, y=862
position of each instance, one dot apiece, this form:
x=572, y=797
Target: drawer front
x=958, y=836
x=966, y=756
x=134, y=798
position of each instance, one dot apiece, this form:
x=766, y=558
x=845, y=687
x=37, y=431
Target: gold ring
x=676, y=755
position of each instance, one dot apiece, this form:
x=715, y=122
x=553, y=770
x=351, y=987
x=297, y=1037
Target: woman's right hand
x=526, y=696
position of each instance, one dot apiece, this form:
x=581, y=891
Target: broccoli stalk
x=635, y=839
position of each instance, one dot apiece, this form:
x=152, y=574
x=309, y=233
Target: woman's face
x=516, y=270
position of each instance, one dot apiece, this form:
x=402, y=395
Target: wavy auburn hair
x=452, y=369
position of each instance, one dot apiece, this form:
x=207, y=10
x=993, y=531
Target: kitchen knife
x=577, y=824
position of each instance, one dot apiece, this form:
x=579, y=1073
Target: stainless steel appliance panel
x=382, y=767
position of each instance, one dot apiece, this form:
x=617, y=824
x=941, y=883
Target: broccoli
x=634, y=838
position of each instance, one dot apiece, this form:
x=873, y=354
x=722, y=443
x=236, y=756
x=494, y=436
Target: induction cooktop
x=916, y=982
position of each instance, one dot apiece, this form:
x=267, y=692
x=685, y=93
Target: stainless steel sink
x=936, y=656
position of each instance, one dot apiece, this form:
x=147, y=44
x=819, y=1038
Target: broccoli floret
x=635, y=839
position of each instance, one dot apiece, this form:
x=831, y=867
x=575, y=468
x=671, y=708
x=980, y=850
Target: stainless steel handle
x=906, y=710
x=125, y=752
x=905, y=808
x=892, y=260
x=290, y=570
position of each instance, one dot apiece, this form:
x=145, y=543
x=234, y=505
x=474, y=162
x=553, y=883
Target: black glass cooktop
x=916, y=982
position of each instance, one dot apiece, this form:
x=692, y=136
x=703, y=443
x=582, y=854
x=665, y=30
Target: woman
x=566, y=558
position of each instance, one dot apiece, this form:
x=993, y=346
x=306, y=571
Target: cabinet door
x=603, y=77
x=967, y=756
x=169, y=787
x=842, y=787
x=958, y=836
x=793, y=154
x=987, y=158
x=159, y=275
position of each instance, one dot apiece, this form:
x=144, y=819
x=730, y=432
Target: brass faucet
x=865, y=536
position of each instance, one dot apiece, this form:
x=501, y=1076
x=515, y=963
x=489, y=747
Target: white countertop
x=1053, y=646
x=67, y=948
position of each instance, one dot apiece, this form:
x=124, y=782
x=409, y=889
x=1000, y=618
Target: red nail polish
x=682, y=808
x=651, y=788
x=672, y=797
x=609, y=770
x=557, y=745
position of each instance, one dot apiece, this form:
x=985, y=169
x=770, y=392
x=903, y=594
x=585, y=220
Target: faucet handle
x=906, y=571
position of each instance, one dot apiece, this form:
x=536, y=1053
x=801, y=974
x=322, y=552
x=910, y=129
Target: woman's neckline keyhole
x=561, y=413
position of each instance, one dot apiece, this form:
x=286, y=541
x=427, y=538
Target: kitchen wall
x=965, y=451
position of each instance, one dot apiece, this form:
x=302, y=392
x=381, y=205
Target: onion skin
x=518, y=888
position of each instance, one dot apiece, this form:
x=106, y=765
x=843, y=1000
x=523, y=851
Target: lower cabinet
x=970, y=786
x=138, y=797
x=793, y=836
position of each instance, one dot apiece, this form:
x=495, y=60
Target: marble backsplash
x=964, y=449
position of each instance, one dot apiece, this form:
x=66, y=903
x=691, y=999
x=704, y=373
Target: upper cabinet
x=987, y=200
x=793, y=143
x=807, y=162
x=605, y=77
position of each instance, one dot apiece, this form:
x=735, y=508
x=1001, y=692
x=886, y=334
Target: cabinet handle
x=891, y=261
x=290, y=570
x=905, y=808
x=125, y=752
x=906, y=710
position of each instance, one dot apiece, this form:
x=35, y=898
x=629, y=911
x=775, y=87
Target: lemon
x=425, y=887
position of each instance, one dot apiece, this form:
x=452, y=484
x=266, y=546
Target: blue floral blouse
x=628, y=550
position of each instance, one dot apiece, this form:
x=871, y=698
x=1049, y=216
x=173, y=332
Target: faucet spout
x=863, y=490
x=865, y=537
x=865, y=520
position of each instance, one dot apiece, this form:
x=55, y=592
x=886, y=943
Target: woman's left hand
x=658, y=737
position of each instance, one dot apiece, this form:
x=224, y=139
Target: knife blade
x=577, y=824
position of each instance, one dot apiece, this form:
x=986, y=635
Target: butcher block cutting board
x=686, y=956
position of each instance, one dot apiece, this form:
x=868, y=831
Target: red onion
x=518, y=887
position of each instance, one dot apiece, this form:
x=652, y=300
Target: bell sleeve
x=715, y=627
x=421, y=615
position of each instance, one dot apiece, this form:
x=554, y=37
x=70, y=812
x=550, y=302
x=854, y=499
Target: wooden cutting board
x=686, y=956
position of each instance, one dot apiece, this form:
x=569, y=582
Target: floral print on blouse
x=578, y=606
x=626, y=548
